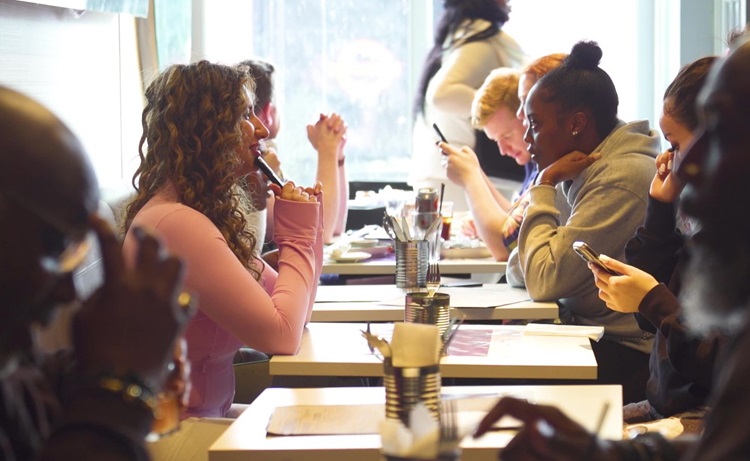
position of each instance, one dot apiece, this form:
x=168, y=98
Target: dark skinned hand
x=547, y=434
x=567, y=167
x=132, y=322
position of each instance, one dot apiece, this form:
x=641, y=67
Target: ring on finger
x=186, y=301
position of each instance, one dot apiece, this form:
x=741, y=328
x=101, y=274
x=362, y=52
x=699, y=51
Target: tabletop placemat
x=470, y=343
x=326, y=419
x=366, y=418
x=466, y=343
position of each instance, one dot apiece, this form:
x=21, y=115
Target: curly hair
x=191, y=128
x=499, y=90
x=580, y=83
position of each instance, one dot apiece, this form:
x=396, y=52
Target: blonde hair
x=539, y=67
x=499, y=90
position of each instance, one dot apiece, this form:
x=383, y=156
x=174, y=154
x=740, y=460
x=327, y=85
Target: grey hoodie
x=607, y=203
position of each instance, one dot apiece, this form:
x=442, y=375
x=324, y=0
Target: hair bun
x=585, y=55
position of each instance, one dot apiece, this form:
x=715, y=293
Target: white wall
x=85, y=69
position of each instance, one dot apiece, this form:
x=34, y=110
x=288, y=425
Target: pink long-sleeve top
x=234, y=308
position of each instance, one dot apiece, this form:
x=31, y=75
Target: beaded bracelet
x=130, y=389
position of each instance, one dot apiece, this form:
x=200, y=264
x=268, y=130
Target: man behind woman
x=327, y=135
x=496, y=219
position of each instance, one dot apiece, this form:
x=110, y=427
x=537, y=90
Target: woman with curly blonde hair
x=199, y=145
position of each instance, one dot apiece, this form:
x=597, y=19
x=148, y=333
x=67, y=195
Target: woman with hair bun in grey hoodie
x=603, y=167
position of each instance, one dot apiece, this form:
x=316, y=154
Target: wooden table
x=385, y=303
x=246, y=438
x=479, y=351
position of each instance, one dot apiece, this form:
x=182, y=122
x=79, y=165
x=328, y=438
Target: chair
x=251, y=375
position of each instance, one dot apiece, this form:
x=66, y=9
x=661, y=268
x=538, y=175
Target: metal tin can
x=427, y=200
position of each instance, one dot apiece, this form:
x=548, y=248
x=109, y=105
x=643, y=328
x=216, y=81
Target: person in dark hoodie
x=681, y=363
x=603, y=167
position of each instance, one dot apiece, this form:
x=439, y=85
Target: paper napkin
x=545, y=329
x=415, y=345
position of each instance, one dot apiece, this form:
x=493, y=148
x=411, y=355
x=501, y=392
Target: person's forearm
x=489, y=217
x=453, y=99
x=504, y=203
x=463, y=70
x=328, y=176
x=552, y=270
x=656, y=245
x=343, y=198
x=318, y=249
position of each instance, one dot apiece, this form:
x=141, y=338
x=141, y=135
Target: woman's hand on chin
x=567, y=167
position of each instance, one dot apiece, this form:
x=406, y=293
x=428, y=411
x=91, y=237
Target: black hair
x=683, y=92
x=455, y=13
x=580, y=83
x=262, y=73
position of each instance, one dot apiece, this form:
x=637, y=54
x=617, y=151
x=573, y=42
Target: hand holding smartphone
x=591, y=256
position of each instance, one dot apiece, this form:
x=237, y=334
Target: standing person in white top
x=469, y=44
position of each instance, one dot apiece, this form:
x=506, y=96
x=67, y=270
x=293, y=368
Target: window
x=172, y=21
x=363, y=59
x=357, y=58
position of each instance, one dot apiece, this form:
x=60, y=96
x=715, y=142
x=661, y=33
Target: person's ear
x=265, y=114
x=272, y=117
x=271, y=113
x=579, y=121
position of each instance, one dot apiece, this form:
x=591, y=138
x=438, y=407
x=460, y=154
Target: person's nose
x=520, y=114
x=261, y=132
x=527, y=135
x=502, y=146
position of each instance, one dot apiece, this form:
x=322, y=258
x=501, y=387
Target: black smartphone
x=439, y=133
x=590, y=256
x=265, y=168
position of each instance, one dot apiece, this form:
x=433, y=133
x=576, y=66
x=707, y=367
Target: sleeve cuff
x=542, y=194
x=658, y=304
x=297, y=220
x=660, y=217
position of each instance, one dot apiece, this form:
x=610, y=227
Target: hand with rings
x=133, y=320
